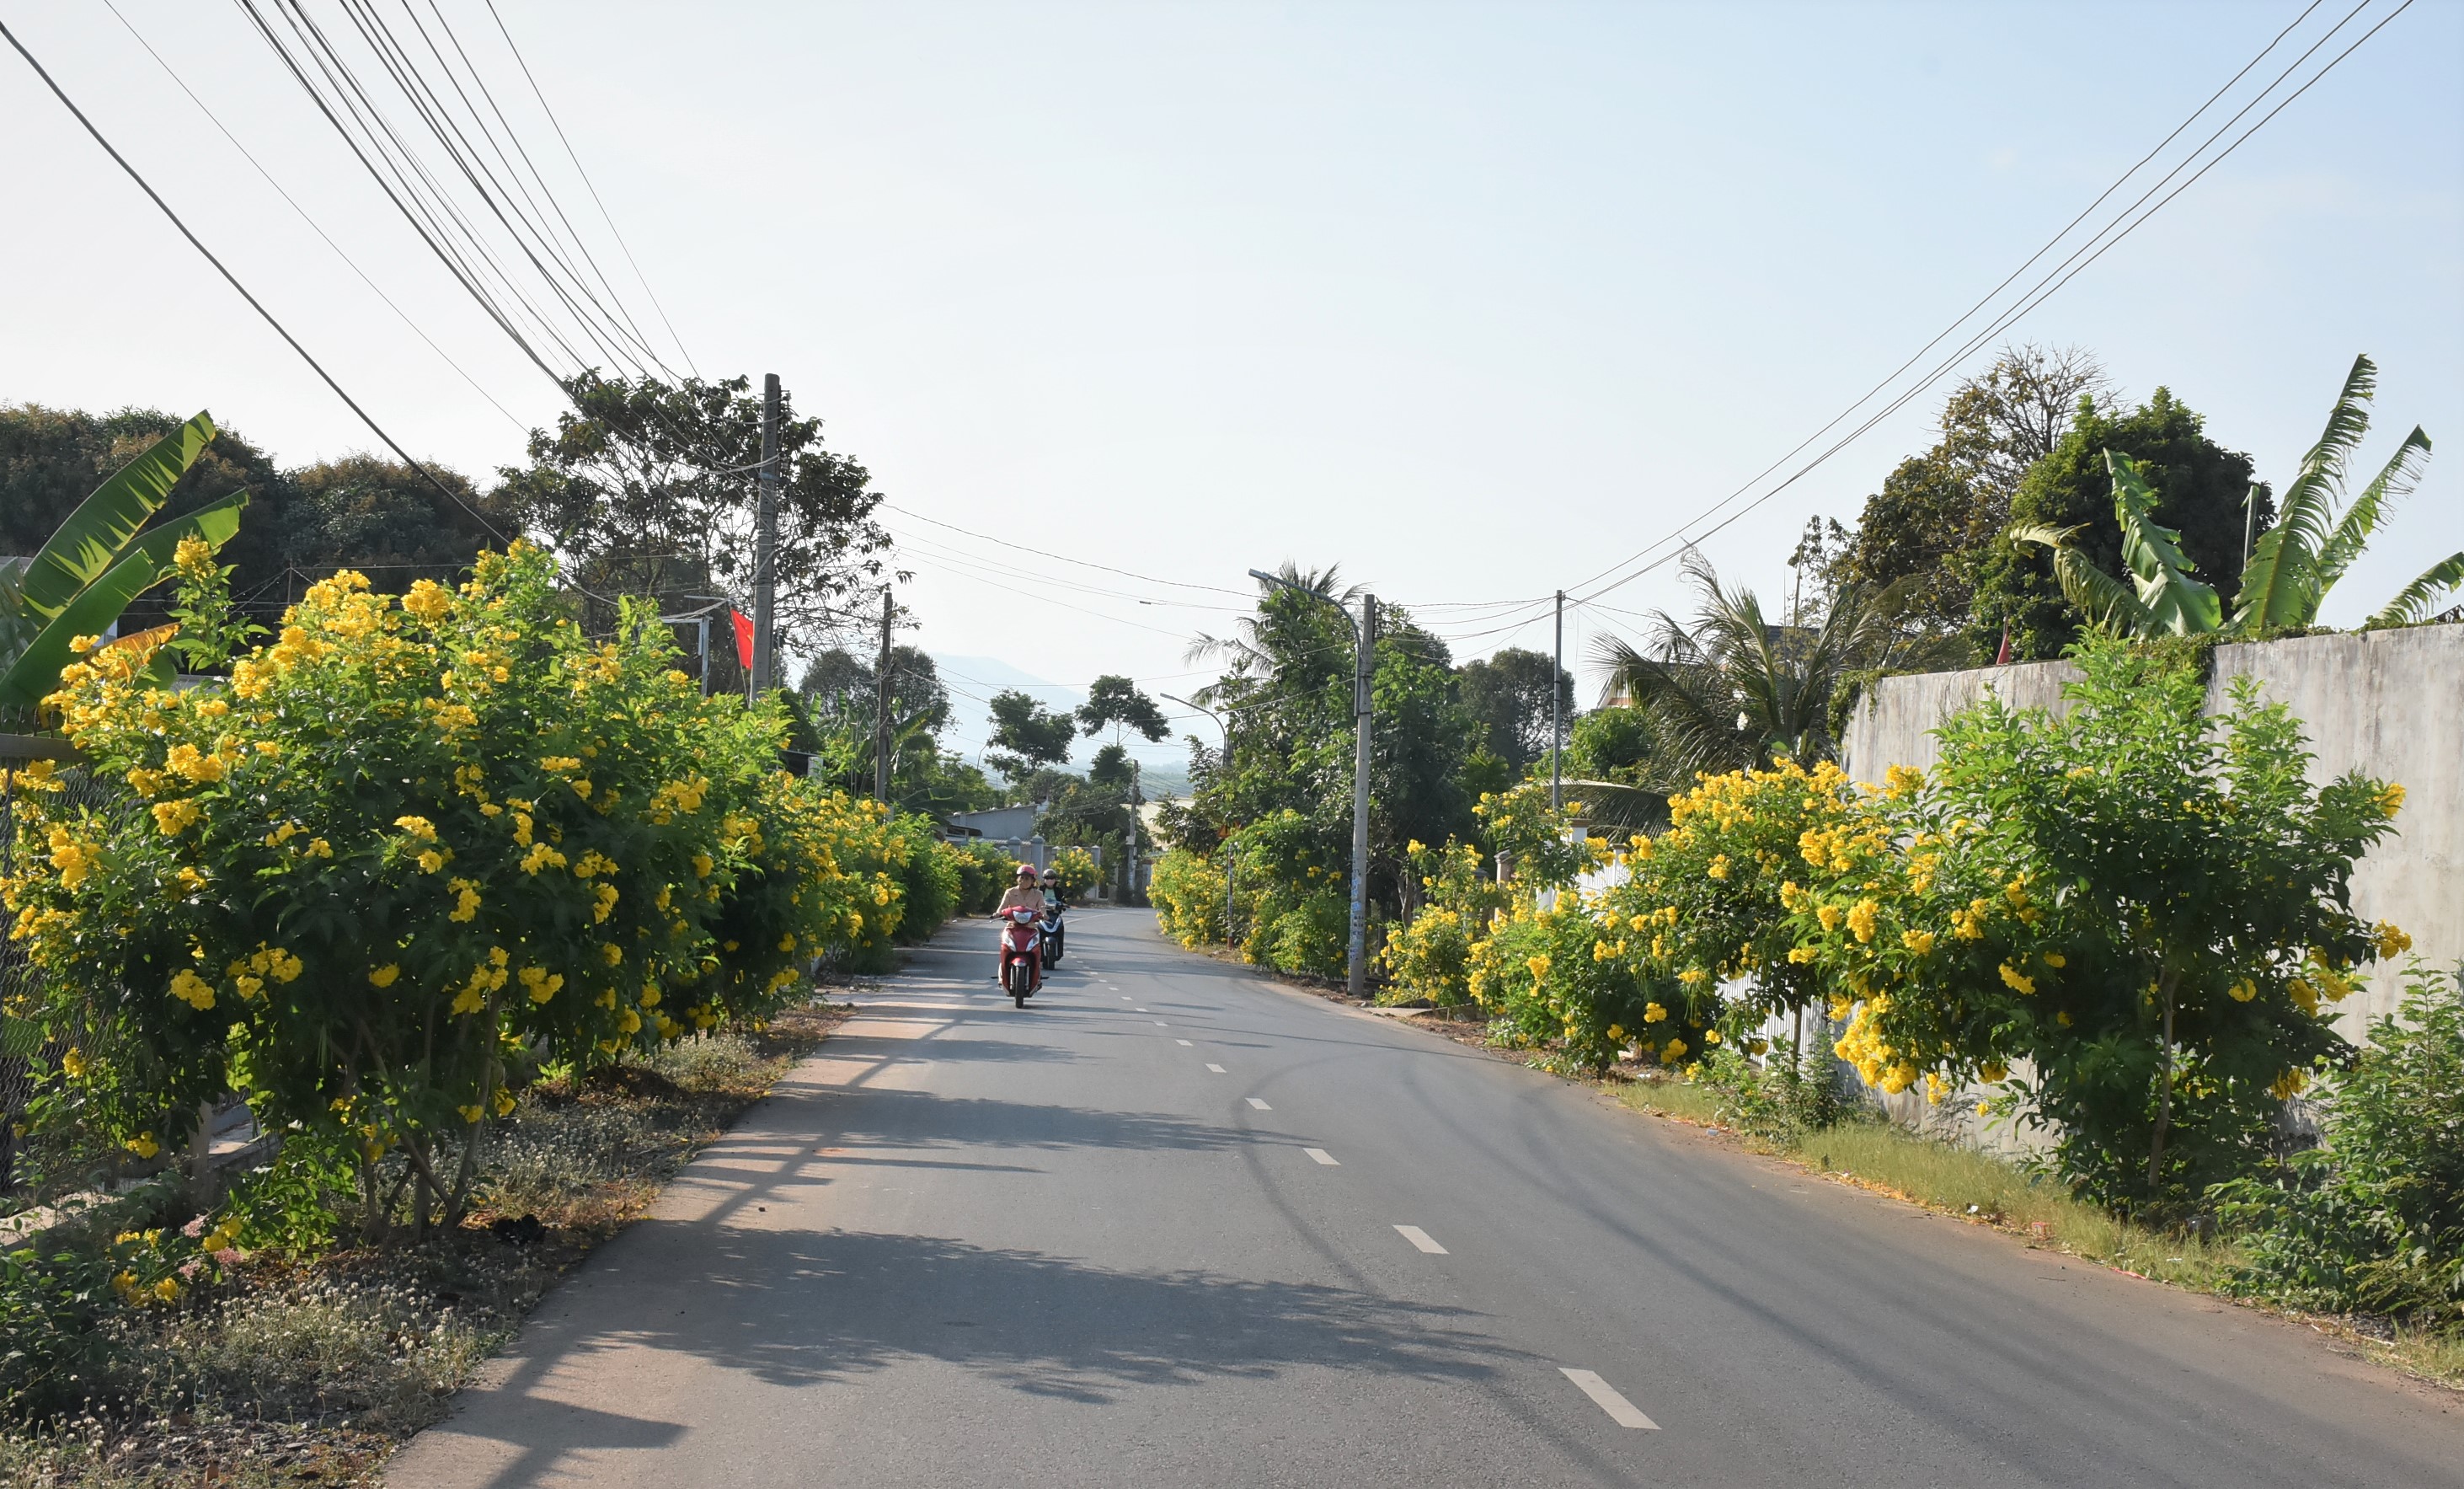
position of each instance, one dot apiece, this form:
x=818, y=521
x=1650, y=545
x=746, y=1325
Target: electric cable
x=293, y=203
x=234, y=280
x=1180, y=583
x=604, y=216
x=2035, y=296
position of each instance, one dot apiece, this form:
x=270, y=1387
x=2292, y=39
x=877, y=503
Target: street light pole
x=1363, y=672
x=1226, y=730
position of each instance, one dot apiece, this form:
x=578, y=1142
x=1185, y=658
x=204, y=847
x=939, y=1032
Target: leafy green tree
x=382, y=518
x=1027, y=734
x=1281, y=788
x=1730, y=691
x=2201, y=491
x=648, y=487
x=1940, y=512
x=1510, y=693
x=2290, y=569
x=1116, y=703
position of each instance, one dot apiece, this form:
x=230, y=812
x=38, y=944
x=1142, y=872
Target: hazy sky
x=1472, y=300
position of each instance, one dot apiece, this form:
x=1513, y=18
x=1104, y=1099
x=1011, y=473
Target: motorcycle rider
x=1054, y=902
x=1025, y=893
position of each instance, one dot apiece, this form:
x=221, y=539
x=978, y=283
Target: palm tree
x=1730, y=690
x=2292, y=566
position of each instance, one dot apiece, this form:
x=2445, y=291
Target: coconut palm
x=1730, y=691
x=2292, y=566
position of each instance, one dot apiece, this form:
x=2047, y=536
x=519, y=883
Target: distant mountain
x=1163, y=768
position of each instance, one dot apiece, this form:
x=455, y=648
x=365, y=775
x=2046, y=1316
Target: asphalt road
x=1172, y=1225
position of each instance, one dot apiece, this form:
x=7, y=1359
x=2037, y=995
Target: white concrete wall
x=2388, y=703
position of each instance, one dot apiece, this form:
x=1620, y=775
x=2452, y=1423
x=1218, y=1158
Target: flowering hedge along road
x=404, y=840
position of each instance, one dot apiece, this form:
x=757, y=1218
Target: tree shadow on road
x=807, y=1308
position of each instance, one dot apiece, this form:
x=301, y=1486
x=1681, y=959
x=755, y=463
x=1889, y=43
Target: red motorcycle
x=1021, y=962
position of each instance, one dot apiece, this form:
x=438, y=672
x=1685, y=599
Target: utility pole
x=766, y=542
x=1131, y=892
x=1557, y=709
x=1364, y=667
x=1364, y=670
x=881, y=707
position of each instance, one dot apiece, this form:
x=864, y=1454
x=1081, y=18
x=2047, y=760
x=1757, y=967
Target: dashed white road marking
x=1217, y=1069
x=1184, y=1044
x=1420, y=1239
x=1126, y=999
x=1322, y=1156
x=1260, y=1105
x=1620, y=1410
x=1161, y=1024
x=1137, y=1010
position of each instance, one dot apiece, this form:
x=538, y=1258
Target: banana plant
x=2292, y=566
x=97, y=562
x=2161, y=598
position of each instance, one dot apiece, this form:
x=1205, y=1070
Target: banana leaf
x=2280, y=584
x=2106, y=602
x=2413, y=603
x=96, y=534
x=35, y=672
x=2353, y=531
x=2175, y=603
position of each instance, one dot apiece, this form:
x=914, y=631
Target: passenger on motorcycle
x=1022, y=893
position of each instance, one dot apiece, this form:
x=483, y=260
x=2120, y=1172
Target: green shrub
x=2372, y=1219
x=983, y=873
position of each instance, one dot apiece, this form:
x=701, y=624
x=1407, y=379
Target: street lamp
x=1227, y=850
x=1356, y=959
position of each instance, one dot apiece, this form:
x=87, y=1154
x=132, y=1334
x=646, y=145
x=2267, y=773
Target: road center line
x=1620, y=1410
x=1217, y=1069
x=1260, y=1105
x=1420, y=1239
x=1322, y=1156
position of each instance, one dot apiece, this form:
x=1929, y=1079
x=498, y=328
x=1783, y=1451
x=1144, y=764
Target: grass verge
x=1983, y=1189
x=312, y=1371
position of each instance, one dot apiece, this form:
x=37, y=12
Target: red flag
x=744, y=638
x=2001, y=658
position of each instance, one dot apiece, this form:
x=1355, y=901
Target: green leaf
x=34, y=673
x=2416, y=601
x=2353, y=533
x=2105, y=601
x=2175, y=603
x=98, y=531
x=2280, y=586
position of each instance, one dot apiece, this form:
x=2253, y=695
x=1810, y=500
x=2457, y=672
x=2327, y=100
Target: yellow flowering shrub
x=1186, y=889
x=404, y=839
x=2146, y=905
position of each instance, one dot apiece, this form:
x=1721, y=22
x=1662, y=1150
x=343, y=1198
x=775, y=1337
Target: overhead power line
x=2045, y=287
x=2056, y=278
x=232, y=279
x=314, y=226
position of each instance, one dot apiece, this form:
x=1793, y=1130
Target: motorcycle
x=1048, y=927
x=1021, y=962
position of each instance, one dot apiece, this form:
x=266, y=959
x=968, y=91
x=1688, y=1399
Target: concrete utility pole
x=1364, y=670
x=1131, y=893
x=1364, y=667
x=881, y=708
x=766, y=542
x=1557, y=709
